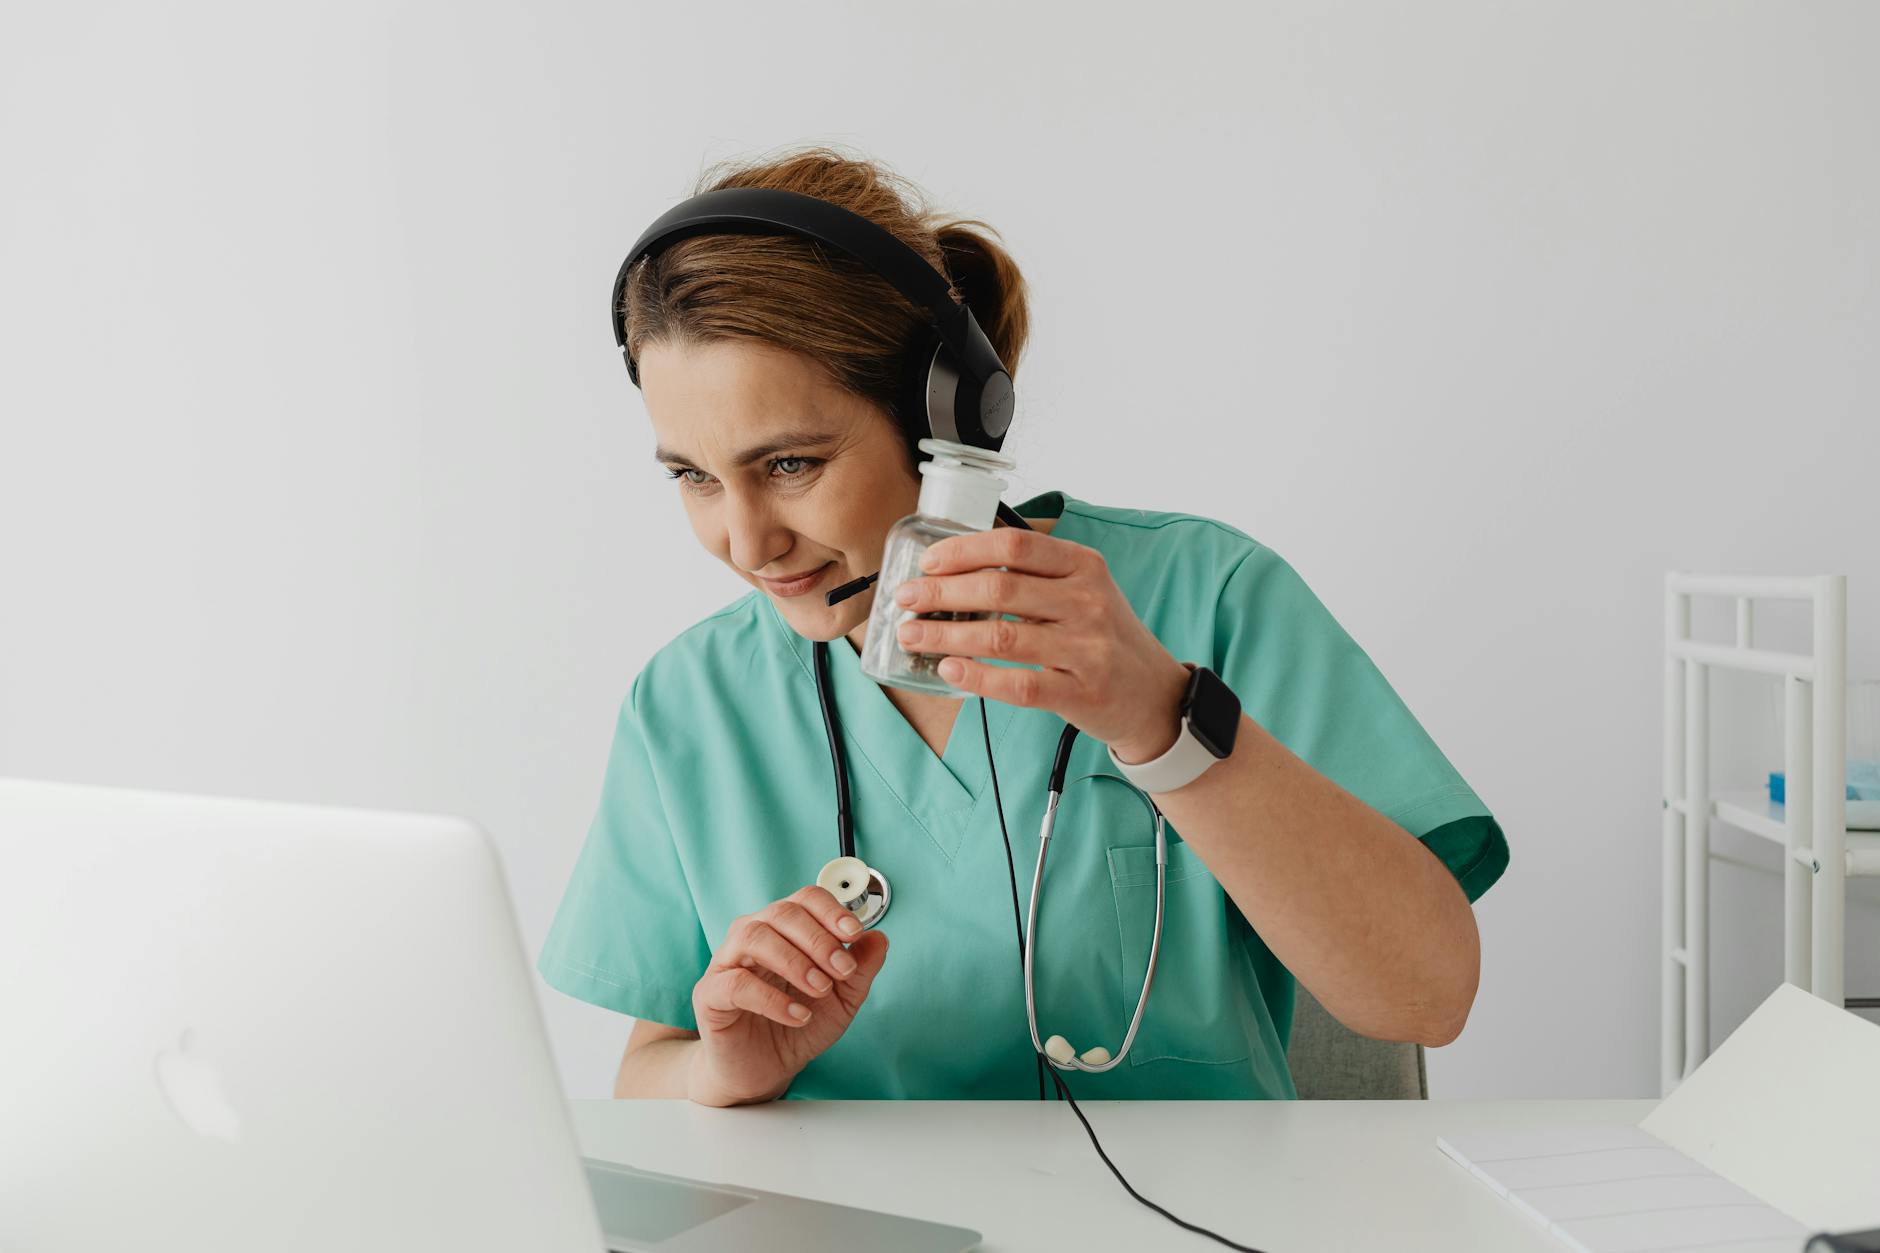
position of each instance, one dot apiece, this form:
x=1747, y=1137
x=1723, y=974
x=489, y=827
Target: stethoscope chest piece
x=861, y=889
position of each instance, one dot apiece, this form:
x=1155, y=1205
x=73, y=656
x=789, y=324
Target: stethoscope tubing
x=845, y=824
x=845, y=832
x=1031, y=939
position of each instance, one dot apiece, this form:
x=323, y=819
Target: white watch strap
x=1183, y=763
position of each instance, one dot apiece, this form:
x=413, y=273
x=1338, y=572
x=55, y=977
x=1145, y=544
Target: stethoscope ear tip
x=1064, y=1055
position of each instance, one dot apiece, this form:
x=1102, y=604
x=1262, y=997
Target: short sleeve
x=627, y=935
x=1302, y=677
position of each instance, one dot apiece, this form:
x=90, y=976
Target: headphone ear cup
x=941, y=400
x=911, y=410
x=965, y=410
x=983, y=400
x=994, y=410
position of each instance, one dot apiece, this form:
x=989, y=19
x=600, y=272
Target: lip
x=798, y=585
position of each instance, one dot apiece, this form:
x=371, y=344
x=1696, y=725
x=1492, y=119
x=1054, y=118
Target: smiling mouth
x=797, y=583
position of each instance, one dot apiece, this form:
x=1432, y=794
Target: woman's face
x=781, y=471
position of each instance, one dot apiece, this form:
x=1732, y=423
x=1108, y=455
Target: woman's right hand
x=779, y=991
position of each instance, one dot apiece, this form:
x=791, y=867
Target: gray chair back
x=1331, y=1062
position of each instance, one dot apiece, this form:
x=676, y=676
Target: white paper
x=1680, y=1230
x=1618, y=1189
x=1562, y=1203
x=1788, y=1108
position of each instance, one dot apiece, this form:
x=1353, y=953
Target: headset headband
x=962, y=388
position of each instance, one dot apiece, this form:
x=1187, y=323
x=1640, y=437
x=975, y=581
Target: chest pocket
x=1194, y=1012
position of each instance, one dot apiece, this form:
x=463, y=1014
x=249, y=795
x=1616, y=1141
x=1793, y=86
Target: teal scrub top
x=719, y=797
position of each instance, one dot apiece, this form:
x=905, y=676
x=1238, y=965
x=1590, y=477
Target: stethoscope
x=865, y=892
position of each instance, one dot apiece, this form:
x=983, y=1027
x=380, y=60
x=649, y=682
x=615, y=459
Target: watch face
x=1212, y=710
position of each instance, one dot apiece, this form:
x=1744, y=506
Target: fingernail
x=904, y=594
x=928, y=561
x=910, y=632
x=850, y=925
x=820, y=981
x=844, y=964
x=798, y=1012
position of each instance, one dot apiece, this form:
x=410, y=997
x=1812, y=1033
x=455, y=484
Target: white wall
x=321, y=478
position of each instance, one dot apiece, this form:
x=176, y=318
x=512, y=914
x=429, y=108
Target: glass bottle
x=959, y=494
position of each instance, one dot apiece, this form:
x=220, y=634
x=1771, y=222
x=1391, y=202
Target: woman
x=1334, y=843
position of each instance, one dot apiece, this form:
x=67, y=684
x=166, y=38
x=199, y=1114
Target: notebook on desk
x=1619, y=1189
x=1775, y=1136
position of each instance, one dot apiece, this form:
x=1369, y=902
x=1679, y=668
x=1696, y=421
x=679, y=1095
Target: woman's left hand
x=1103, y=671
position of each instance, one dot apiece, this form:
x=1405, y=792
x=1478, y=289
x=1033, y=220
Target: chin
x=821, y=622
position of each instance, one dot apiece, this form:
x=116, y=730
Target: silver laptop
x=231, y=1024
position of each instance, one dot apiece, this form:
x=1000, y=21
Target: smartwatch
x=1210, y=718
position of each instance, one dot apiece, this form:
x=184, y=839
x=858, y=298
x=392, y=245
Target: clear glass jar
x=959, y=495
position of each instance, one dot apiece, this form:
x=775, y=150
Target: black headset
x=954, y=386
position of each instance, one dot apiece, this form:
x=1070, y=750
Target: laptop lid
x=236, y=1024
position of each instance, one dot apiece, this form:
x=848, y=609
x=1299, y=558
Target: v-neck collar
x=939, y=791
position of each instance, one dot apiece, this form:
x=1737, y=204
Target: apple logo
x=194, y=1091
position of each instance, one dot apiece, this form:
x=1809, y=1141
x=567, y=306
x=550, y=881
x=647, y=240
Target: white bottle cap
x=960, y=482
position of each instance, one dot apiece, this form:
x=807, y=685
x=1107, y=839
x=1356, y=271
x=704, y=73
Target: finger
x=764, y=946
x=806, y=933
x=869, y=952
x=1009, y=685
x=1030, y=551
x=828, y=910
x=991, y=590
x=730, y=992
x=990, y=637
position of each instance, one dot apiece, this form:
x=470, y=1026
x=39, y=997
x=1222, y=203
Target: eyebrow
x=801, y=437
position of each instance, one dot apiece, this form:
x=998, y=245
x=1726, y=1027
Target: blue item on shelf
x=1863, y=782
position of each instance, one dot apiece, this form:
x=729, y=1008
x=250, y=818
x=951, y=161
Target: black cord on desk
x=1183, y=1223
x=1063, y=1089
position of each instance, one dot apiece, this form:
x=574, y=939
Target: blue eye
x=804, y=466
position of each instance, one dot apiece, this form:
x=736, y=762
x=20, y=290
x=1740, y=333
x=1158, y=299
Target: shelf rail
x=1814, y=868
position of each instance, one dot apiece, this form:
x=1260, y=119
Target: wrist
x=702, y=1087
x=1162, y=725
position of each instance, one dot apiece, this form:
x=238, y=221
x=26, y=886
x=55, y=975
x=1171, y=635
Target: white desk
x=1284, y=1176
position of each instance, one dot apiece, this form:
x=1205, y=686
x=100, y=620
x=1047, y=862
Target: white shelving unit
x=1819, y=850
x=1751, y=810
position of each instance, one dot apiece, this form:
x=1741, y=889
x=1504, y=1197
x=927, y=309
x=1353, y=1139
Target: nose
x=756, y=536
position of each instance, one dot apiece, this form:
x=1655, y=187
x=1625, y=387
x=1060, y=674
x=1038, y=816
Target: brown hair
x=796, y=294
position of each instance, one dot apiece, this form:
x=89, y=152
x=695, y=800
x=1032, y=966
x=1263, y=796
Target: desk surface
x=1284, y=1176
